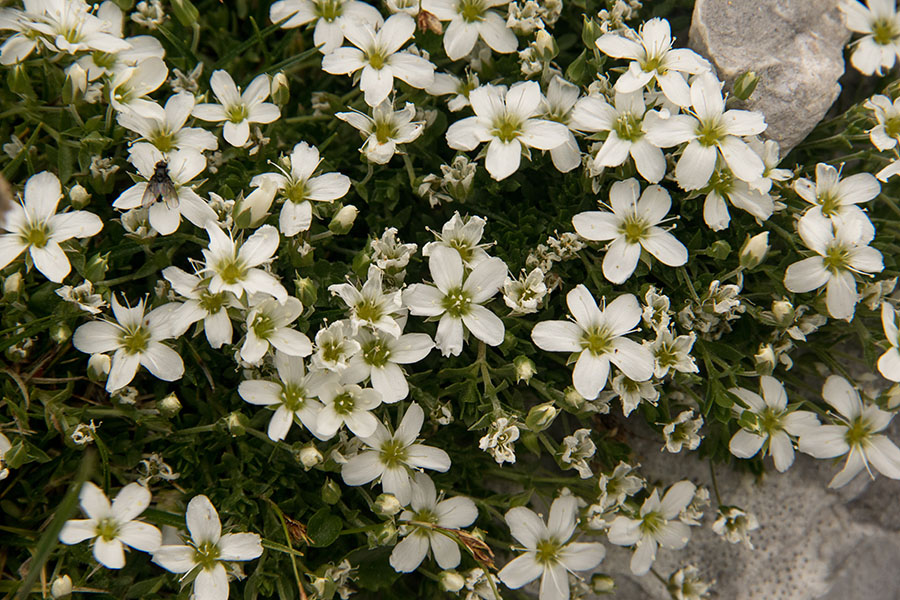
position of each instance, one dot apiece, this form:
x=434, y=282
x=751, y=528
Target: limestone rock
x=795, y=46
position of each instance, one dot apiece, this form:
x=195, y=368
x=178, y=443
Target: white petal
x=856, y=462
x=503, y=158
x=696, y=165
x=484, y=325
x=362, y=468
x=77, y=530
x=525, y=526
x=409, y=553
x=445, y=550
x=175, y=558
x=520, y=571
x=203, y=520
x=240, y=546
x=782, y=451
x=597, y=226
x=131, y=501
x=665, y=247
x=141, y=536
x=581, y=556
x=806, y=275
x=884, y=456
x=163, y=362
x=745, y=444
x=557, y=336
x=589, y=375
x=51, y=261
x=554, y=583
x=621, y=260
x=110, y=554
x=211, y=585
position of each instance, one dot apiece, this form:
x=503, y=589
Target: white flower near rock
x=330, y=18
x=34, y=226
x=423, y=523
x=843, y=250
x=165, y=128
x=238, y=110
x=655, y=525
x=457, y=299
x=832, y=195
x=113, y=526
x=379, y=358
x=886, y=134
x=394, y=458
x=182, y=166
x=889, y=362
x=378, y=56
x=135, y=339
x=269, y=324
x=506, y=119
x=632, y=225
x=770, y=423
x=233, y=267
x=880, y=47
x=385, y=130
x=470, y=20
x=724, y=186
x=208, y=550
x=653, y=58
x=598, y=336
x=709, y=131
x=548, y=549
x=855, y=434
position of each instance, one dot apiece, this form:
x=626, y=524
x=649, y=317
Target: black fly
x=160, y=186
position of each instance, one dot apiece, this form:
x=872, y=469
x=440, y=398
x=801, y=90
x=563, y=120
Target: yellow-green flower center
x=207, y=555
x=376, y=353
x=858, y=431
x=709, y=132
x=134, y=340
x=384, y=131
x=835, y=258
x=329, y=9
x=36, y=234
x=633, y=228
x=107, y=529
x=507, y=128
x=628, y=127
x=231, y=270
x=237, y=113
x=884, y=32
x=471, y=11
x=344, y=403
x=393, y=453
x=456, y=302
x=263, y=326
x=293, y=396
x=597, y=340
x=547, y=551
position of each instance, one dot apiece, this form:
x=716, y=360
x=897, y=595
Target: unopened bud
x=331, y=492
x=18, y=81
x=546, y=46
x=60, y=333
x=343, y=220
x=310, y=456
x=75, y=84
x=541, y=416
x=306, y=290
x=590, y=31
x=61, y=586
x=79, y=197
x=12, y=285
x=765, y=359
x=754, y=250
x=386, y=535
x=280, y=89
x=573, y=399
x=451, y=581
x=525, y=368
x=96, y=266
x=745, y=84
x=602, y=584
x=98, y=367
x=387, y=505
x=237, y=423
x=169, y=406
x=784, y=312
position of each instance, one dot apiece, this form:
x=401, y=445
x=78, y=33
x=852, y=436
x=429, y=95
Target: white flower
x=548, y=551
x=653, y=58
x=395, y=457
x=380, y=357
x=672, y=353
x=500, y=440
x=136, y=339
x=857, y=436
x=832, y=195
x=165, y=213
x=130, y=85
x=598, y=336
x=237, y=109
x=385, y=129
x=558, y=105
x=330, y=17
x=709, y=131
x=889, y=362
x=654, y=526
x=769, y=151
x=111, y=526
x=68, y=27
x=232, y=267
x=350, y=405
x=880, y=48
x=722, y=186
x=576, y=449
x=5, y=445
x=208, y=550
x=843, y=249
x=268, y=323
x=683, y=432
x=735, y=525
x=335, y=347
x=298, y=186
x=469, y=20
x=625, y=124
x=886, y=134
x=97, y=64
x=525, y=294
x=618, y=486
x=165, y=129
x=292, y=396
x=378, y=55
x=448, y=84
x=424, y=523
x=34, y=226
x=632, y=225
x=457, y=299
x=200, y=303
x=770, y=424
x=506, y=118
x=370, y=306
x=632, y=393
x=464, y=236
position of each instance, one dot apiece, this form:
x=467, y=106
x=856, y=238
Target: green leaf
x=324, y=528
x=185, y=12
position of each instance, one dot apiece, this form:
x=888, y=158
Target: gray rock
x=795, y=46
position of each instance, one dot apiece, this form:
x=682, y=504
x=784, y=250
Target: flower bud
x=75, y=84
x=98, y=367
x=602, y=584
x=451, y=581
x=754, y=250
x=387, y=505
x=60, y=333
x=237, y=423
x=546, y=46
x=386, y=535
x=331, y=492
x=18, y=81
x=573, y=400
x=95, y=268
x=590, y=31
x=310, y=456
x=12, y=285
x=765, y=359
x=343, y=220
x=525, y=368
x=79, y=196
x=258, y=202
x=280, y=89
x=61, y=586
x=541, y=416
x=745, y=84
x=784, y=312
x=306, y=290
x=169, y=406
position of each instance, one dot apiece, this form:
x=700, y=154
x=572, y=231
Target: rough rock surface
x=795, y=46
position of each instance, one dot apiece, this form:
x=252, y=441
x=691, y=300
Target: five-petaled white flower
x=857, y=435
x=379, y=358
x=889, y=362
x=709, y=131
x=722, y=186
x=34, y=226
x=385, y=129
x=831, y=195
x=769, y=422
x=164, y=127
x=350, y=405
x=377, y=54
x=548, y=551
x=111, y=526
x=464, y=236
x=654, y=526
x=268, y=324
x=469, y=20
x=507, y=120
x=880, y=48
x=130, y=86
x=422, y=525
x=237, y=109
x=457, y=299
x=200, y=303
x=136, y=339
x=843, y=250
x=395, y=457
x=208, y=549
x=633, y=224
x=652, y=57
x=369, y=306
x=330, y=17
x=598, y=335
x=232, y=267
